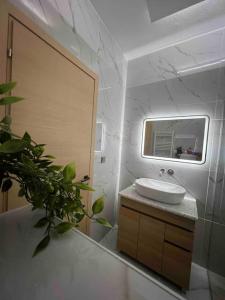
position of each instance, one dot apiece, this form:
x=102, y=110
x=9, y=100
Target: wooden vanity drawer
x=179, y=237
x=128, y=231
x=176, y=265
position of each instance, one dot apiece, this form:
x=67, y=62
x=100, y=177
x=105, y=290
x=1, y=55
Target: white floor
x=199, y=283
x=217, y=285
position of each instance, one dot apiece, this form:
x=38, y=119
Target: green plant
x=45, y=185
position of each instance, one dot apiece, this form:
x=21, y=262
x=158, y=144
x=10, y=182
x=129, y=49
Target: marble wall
x=215, y=207
x=76, y=25
x=202, y=93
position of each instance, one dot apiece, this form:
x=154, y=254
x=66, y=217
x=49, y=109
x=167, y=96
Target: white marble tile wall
x=195, y=94
x=76, y=25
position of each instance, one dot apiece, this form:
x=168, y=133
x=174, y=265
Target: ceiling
x=197, y=55
x=159, y=9
x=130, y=23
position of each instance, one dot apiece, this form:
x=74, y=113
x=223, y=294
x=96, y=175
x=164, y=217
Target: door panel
x=58, y=109
x=150, y=242
x=179, y=237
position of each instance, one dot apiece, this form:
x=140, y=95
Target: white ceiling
x=130, y=24
x=159, y=9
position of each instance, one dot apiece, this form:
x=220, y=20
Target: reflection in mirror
x=181, y=139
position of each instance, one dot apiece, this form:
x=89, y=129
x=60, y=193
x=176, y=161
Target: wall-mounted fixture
x=170, y=172
x=180, y=139
x=161, y=172
x=99, y=145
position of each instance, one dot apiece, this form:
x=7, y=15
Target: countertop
x=72, y=267
x=187, y=208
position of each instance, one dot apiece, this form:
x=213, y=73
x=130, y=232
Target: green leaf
x=69, y=172
x=55, y=168
x=42, y=245
x=38, y=150
x=79, y=217
x=42, y=222
x=4, y=136
x=27, y=161
x=79, y=210
x=44, y=163
x=10, y=100
x=7, y=120
x=49, y=157
x=7, y=87
x=1, y=177
x=63, y=227
x=103, y=222
x=26, y=137
x=98, y=206
x=83, y=186
x=7, y=184
x=21, y=192
x=13, y=146
x=37, y=200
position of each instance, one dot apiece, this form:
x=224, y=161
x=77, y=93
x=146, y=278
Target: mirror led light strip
x=204, y=150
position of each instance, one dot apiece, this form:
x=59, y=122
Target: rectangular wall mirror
x=182, y=139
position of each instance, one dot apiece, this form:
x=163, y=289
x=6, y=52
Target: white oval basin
x=159, y=190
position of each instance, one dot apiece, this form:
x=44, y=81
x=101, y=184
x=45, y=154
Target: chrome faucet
x=161, y=172
x=170, y=172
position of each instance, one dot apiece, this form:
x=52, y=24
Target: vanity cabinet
x=158, y=239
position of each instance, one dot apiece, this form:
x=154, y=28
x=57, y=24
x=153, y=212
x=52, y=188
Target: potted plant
x=45, y=185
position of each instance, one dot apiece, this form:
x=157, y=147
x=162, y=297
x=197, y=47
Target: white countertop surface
x=187, y=208
x=73, y=267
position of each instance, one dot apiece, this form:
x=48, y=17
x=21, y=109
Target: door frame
x=8, y=12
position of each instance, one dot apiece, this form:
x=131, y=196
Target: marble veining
x=187, y=208
x=72, y=267
x=166, y=63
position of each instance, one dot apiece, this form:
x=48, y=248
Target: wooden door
x=150, y=242
x=60, y=102
x=128, y=231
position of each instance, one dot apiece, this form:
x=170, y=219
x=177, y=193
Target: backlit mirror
x=182, y=139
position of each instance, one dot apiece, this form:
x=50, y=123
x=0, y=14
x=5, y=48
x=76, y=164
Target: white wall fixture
x=99, y=146
x=180, y=139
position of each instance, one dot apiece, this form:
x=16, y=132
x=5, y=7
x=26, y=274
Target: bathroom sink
x=160, y=191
